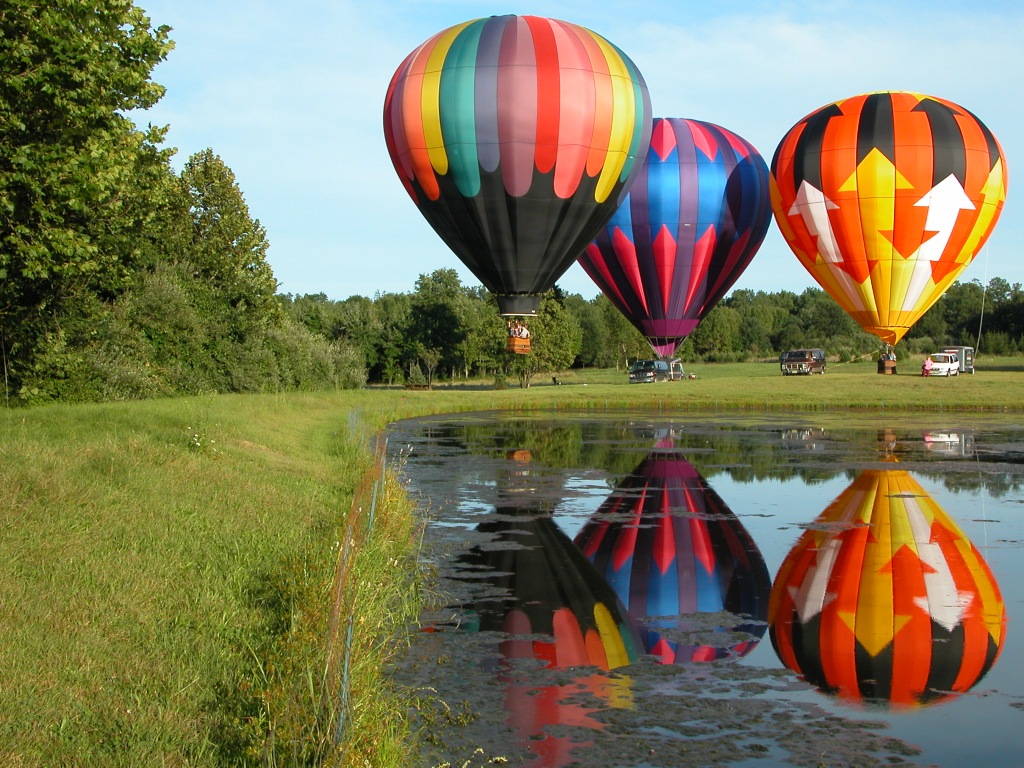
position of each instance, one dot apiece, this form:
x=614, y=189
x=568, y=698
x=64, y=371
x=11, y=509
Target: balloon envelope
x=516, y=136
x=691, y=223
x=885, y=199
x=885, y=599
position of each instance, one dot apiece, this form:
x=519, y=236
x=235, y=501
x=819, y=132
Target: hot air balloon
x=885, y=199
x=672, y=550
x=516, y=137
x=692, y=222
x=885, y=600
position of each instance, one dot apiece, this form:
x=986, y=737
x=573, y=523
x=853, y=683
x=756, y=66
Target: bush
x=349, y=368
x=416, y=377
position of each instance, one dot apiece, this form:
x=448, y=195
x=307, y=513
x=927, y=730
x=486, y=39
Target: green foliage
x=70, y=162
x=228, y=249
x=555, y=341
x=120, y=278
x=437, y=316
x=745, y=326
x=717, y=337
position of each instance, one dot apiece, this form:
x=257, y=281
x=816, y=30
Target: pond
x=659, y=590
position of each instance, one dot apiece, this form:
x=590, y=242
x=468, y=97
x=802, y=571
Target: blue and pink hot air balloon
x=679, y=559
x=692, y=222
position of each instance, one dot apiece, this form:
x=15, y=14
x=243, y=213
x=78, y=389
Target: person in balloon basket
x=518, y=330
x=926, y=367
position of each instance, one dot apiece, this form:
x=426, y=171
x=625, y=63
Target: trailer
x=966, y=356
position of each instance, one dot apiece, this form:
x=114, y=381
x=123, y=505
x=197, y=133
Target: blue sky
x=290, y=96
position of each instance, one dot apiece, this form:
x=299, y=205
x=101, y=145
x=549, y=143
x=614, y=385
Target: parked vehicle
x=941, y=364
x=965, y=356
x=802, y=362
x=650, y=371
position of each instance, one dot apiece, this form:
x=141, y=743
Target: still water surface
x=641, y=590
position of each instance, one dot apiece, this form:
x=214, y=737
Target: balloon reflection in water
x=672, y=549
x=555, y=608
x=549, y=589
x=885, y=600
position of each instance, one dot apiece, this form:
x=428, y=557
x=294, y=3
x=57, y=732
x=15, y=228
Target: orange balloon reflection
x=885, y=600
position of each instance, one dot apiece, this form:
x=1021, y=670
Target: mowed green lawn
x=998, y=385
x=167, y=567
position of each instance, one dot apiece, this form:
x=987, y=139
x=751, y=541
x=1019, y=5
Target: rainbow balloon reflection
x=552, y=606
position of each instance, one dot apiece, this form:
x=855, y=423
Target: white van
x=941, y=364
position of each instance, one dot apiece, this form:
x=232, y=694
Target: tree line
x=445, y=330
x=121, y=278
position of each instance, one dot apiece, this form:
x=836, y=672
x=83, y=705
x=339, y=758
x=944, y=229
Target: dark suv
x=802, y=361
x=649, y=371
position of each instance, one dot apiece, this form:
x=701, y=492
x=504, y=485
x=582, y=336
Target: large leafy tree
x=227, y=248
x=622, y=343
x=392, y=313
x=70, y=159
x=437, y=319
x=718, y=334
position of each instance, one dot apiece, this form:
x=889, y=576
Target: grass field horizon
x=170, y=569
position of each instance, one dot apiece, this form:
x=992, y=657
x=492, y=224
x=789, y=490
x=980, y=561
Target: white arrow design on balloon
x=944, y=202
x=812, y=205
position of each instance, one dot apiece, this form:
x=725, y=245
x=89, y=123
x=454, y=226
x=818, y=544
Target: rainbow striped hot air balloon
x=885, y=600
x=548, y=589
x=885, y=199
x=692, y=222
x=516, y=137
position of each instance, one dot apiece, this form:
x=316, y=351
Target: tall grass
x=156, y=563
x=179, y=578
x=324, y=691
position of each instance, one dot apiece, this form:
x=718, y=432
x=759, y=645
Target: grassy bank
x=165, y=580
x=177, y=577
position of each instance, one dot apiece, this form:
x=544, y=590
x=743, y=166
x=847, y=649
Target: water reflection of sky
x=968, y=472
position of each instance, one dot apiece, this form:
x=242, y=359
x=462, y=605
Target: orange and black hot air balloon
x=885, y=600
x=885, y=199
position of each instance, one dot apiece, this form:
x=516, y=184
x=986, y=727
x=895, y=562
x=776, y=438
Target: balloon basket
x=518, y=345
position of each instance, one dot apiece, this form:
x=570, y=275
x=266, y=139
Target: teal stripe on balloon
x=638, y=124
x=458, y=123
